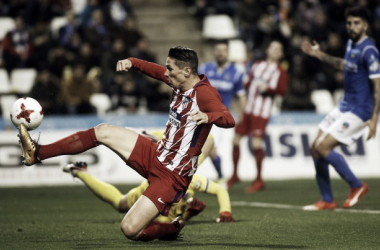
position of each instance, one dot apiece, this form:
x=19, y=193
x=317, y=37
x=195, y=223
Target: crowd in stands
x=79, y=59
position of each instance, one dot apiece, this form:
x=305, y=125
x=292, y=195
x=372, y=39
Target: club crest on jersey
x=345, y=125
x=175, y=118
x=186, y=102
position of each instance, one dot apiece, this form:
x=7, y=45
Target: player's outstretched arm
x=372, y=123
x=148, y=68
x=314, y=51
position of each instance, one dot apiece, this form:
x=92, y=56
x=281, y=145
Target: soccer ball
x=27, y=111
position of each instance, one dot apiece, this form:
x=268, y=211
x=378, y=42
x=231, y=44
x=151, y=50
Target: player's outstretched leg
x=29, y=148
x=79, y=142
x=70, y=145
x=104, y=191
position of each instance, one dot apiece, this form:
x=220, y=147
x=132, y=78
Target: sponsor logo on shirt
x=175, y=118
x=221, y=85
x=350, y=66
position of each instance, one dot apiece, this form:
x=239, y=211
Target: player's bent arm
x=314, y=51
x=211, y=105
x=242, y=100
x=372, y=123
x=336, y=62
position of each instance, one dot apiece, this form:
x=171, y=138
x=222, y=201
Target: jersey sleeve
x=371, y=62
x=239, y=84
x=150, y=69
x=210, y=102
x=202, y=184
x=278, y=83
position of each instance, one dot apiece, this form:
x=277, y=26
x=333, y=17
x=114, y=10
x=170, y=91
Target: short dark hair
x=358, y=11
x=184, y=56
x=223, y=41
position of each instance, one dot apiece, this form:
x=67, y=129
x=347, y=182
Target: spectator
x=68, y=31
x=42, y=42
x=46, y=90
x=76, y=90
x=86, y=14
x=58, y=59
x=130, y=33
x=124, y=94
x=17, y=47
x=96, y=33
x=117, y=11
x=41, y=11
x=300, y=86
x=109, y=58
x=4, y=10
x=87, y=57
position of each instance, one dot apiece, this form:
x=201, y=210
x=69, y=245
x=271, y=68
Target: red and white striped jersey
x=183, y=139
x=260, y=104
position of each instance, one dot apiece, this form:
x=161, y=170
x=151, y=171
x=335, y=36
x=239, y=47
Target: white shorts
x=217, y=134
x=344, y=127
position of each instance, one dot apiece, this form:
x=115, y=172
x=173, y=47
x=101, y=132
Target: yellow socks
x=104, y=191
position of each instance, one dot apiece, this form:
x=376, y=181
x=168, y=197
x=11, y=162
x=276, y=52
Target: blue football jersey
x=228, y=82
x=361, y=64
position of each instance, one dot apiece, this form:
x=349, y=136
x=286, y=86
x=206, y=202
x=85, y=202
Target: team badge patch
x=345, y=125
x=374, y=66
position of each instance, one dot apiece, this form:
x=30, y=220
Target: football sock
x=155, y=230
x=259, y=156
x=323, y=179
x=104, y=191
x=217, y=162
x=235, y=158
x=70, y=145
x=340, y=165
x=201, y=158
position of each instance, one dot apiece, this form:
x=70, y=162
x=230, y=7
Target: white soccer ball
x=27, y=111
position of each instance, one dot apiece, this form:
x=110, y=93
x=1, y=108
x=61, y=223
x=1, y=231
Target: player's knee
x=102, y=131
x=322, y=150
x=128, y=231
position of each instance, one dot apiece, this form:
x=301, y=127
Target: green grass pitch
x=71, y=217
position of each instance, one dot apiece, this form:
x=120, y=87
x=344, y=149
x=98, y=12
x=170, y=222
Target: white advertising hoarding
x=287, y=149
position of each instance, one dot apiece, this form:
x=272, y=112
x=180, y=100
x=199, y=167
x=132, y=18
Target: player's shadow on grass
x=178, y=243
x=200, y=222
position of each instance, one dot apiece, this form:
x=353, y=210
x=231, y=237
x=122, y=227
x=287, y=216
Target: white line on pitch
x=285, y=206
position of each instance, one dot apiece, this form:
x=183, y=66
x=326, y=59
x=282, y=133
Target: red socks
x=155, y=230
x=235, y=158
x=70, y=145
x=259, y=156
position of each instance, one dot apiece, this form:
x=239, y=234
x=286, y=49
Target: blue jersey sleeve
x=239, y=84
x=371, y=61
x=202, y=69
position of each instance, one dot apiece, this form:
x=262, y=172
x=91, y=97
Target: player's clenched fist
x=123, y=65
x=225, y=217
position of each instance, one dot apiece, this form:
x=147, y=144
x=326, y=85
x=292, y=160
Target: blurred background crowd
x=78, y=59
